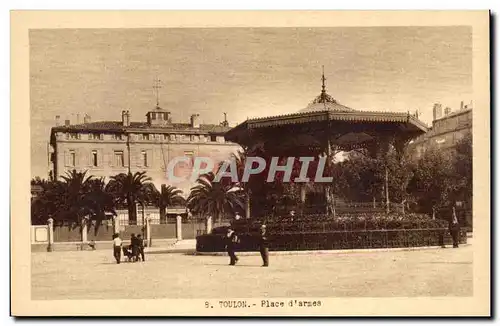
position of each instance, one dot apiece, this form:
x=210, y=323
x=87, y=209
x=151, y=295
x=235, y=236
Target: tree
x=76, y=203
x=463, y=168
x=211, y=198
x=359, y=178
x=401, y=171
x=47, y=202
x=99, y=200
x=433, y=180
x=129, y=189
x=169, y=196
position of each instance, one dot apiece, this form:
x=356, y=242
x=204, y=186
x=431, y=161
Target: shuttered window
x=144, y=158
x=94, y=160
x=72, y=158
x=118, y=159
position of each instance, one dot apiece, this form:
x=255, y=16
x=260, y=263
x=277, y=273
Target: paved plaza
x=94, y=275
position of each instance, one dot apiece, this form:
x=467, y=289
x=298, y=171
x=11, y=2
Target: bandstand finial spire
x=323, y=86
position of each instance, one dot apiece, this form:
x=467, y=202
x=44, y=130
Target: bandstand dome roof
x=325, y=102
x=326, y=117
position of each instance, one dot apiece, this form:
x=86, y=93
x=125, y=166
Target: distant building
x=446, y=131
x=107, y=148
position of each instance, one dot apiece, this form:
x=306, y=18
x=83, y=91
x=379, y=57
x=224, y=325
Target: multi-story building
x=107, y=148
x=447, y=130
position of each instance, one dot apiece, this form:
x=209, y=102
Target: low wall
x=332, y=240
x=104, y=232
x=67, y=233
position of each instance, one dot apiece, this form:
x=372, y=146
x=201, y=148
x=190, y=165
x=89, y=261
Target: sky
x=246, y=72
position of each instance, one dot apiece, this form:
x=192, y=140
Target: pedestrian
x=454, y=227
x=134, y=247
x=117, y=247
x=264, y=246
x=231, y=241
x=140, y=244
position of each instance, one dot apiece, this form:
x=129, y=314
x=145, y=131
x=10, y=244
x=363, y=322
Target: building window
x=153, y=115
x=73, y=135
x=94, y=158
x=213, y=138
x=144, y=157
x=165, y=137
x=72, y=158
x=119, y=159
x=145, y=136
x=117, y=136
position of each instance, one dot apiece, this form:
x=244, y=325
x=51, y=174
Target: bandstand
x=326, y=127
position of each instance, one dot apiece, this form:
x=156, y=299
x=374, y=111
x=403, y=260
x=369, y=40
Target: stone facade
x=107, y=148
x=446, y=131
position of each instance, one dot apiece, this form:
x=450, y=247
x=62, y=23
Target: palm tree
x=170, y=196
x=130, y=188
x=99, y=200
x=49, y=199
x=76, y=203
x=214, y=199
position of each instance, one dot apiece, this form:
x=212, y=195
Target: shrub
x=346, y=231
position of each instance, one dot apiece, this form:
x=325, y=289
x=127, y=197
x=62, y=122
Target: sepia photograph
x=319, y=163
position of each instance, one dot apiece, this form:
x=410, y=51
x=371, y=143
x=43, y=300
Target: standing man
x=454, y=228
x=117, y=247
x=264, y=246
x=231, y=241
x=140, y=245
x=134, y=247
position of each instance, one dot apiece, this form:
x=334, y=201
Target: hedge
x=364, y=239
x=321, y=232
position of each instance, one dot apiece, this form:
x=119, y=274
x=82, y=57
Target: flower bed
x=321, y=232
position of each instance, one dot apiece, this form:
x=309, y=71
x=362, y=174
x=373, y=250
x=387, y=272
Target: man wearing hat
x=231, y=241
x=454, y=228
x=264, y=246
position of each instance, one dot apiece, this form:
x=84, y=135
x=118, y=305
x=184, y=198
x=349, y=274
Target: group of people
x=232, y=240
x=134, y=252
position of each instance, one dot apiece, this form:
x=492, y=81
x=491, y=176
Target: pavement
x=387, y=273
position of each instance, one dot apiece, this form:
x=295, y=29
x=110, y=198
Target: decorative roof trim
x=365, y=116
x=116, y=127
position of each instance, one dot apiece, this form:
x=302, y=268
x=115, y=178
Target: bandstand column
x=383, y=147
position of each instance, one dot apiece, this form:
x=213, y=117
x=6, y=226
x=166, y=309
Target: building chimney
x=58, y=120
x=86, y=119
x=447, y=111
x=195, y=121
x=67, y=122
x=437, y=111
x=125, y=118
x=461, y=105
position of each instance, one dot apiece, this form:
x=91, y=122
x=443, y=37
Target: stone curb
x=320, y=252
